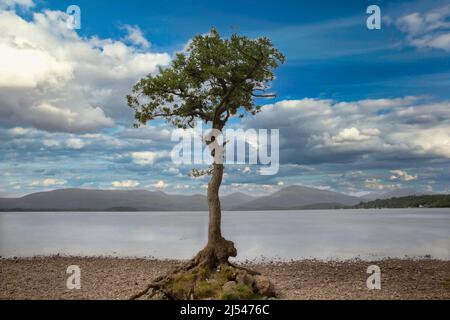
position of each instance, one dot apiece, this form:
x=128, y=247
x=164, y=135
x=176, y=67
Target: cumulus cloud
x=125, y=184
x=430, y=29
x=19, y=131
x=253, y=188
x=11, y=4
x=147, y=157
x=180, y=186
x=373, y=183
x=54, y=118
x=354, y=134
x=173, y=172
x=160, y=185
x=372, y=131
x=50, y=143
x=136, y=37
x=55, y=80
x=75, y=143
x=148, y=133
x=377, y=184
x=48, y=182
x=402, y=175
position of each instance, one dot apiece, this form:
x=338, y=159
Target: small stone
x=243, y=277
x=159, y=295
x=229, y=286
x=264, y=286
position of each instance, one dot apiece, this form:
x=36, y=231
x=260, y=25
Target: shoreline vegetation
x=121, y=278
x=422, y=201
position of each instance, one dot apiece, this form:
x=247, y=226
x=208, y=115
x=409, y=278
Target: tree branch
x=222, y=105
x=264, y=95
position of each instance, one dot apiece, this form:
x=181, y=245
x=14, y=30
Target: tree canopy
x=212, y=80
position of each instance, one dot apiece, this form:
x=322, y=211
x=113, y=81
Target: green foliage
x=240, y=292
x=203, y=283
x=182, y=285
x=203, y=273
x=215, y=79
x=208, y=289
x=225, y=274
x=427, y=201
x=211, y=282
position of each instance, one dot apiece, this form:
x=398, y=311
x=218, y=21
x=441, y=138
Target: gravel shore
x=114, y=278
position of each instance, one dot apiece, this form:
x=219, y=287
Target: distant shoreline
x=119, y=278
x=289, y=198
x=269, y=210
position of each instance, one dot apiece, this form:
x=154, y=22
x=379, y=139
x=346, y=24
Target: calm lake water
x=321, y=234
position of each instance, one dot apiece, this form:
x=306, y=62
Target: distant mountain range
x=116, y=200
x=299, y=197
x=289, y=198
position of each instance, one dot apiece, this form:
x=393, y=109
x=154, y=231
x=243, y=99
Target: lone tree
x=215, y=79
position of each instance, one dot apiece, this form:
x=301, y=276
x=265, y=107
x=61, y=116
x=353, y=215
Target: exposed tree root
x=144, y=292
x=249, y=271
x=209, y=275
x=215, y=253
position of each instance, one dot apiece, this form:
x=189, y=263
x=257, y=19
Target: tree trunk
x=217, y=250
x=215, y=213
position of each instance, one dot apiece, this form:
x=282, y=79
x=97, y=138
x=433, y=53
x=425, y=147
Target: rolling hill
x=293, y=197
x=299, y=197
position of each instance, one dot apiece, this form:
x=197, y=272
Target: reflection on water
x=321, y=234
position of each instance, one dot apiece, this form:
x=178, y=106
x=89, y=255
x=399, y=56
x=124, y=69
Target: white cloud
x=373, y=183
x=15, y=184
x=441, y=41
x=53, y=118
x=354, y=134
x=148, y=133
x=75, y=143
x=136, y=37
x=125, y=184
x=19, y=131
x=426, y=141
x=48, y=182
x=402, y=175
x=412, y=23
x=147, y=157
x=55, y=80
x=314, y=130
x=182, y=186
x=160, y=185
x=252, y=188
x=33, y=66
x=247, y=169
x=10, y=4
x=173, y=171
x=49, y=143
x=430, y=29
x=377, y=184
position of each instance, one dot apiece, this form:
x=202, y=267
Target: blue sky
x=329, y=50
x=358, y=110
